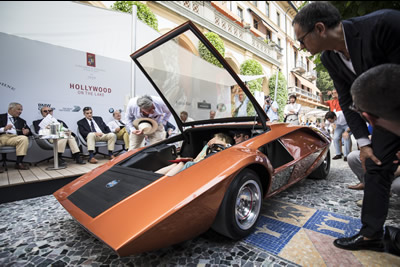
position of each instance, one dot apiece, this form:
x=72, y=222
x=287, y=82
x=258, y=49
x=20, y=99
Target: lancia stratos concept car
x=133, y=209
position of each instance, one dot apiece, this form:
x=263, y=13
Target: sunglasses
x=47, y=111
x=354, y=108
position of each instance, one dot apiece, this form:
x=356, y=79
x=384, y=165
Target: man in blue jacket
x=349, y=48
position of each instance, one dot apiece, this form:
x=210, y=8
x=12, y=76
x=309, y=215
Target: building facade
x=259, y=30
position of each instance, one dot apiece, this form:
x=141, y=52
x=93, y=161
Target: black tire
x=323, y=170
x=237, y=216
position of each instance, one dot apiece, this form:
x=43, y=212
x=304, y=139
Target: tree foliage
x=143, y=12
x=252, y=67
x=324, y=82
x=217, y=42
x=282, y=93
x=349, y=9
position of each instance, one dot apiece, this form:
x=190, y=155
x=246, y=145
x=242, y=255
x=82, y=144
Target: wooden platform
x=39, y=173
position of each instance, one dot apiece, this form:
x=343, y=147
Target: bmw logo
x=112, y=183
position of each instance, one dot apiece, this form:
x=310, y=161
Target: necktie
x=92, y=126
x=121, y=123
x=14, y=119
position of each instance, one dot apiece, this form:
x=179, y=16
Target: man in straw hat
x=146, y=116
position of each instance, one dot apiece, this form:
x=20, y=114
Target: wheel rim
x=248, y=204
x=326, y=163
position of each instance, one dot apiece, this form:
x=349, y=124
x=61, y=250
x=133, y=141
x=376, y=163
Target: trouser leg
x=337, y=138
x=91, y=141
x=135, y=141
x=378, y=180
x=158, y=135
x=354, y=161
x=73, y=145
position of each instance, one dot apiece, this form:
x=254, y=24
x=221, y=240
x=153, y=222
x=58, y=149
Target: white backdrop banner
x=35, y=74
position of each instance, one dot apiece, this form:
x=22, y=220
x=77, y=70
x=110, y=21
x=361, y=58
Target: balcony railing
x=200, y=11
x=300, y=67
x=303, y=93
x=311, y=75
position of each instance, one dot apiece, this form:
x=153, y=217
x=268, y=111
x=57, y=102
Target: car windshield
x=194, y=87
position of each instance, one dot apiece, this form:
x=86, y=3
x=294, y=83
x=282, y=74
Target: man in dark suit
x=93, y=129
x=14, y=132
x=62, y=143
x=351, y=47
x=375, y=86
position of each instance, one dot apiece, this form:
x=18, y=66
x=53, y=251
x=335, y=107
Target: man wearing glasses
x=93, y=129
x=349, y=48
x=15, y=132
x=62, y=143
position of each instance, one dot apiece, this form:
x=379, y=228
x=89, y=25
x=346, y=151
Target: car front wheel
x=240, y=208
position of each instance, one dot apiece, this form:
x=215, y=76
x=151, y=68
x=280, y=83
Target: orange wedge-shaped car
x=132, y=207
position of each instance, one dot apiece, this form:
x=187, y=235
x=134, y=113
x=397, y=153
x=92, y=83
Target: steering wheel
x=214, y=148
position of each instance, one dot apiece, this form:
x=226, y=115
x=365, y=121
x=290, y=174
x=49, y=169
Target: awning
x=266, y=24
x=246, y=78
x=306, y=82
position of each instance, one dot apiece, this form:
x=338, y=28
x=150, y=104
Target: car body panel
x=174, y=209
x=171, y=209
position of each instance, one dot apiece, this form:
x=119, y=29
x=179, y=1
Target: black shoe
x=79, y=160
x=392, y=240
x=337, y=157
x=345, y=158
x=357, y=242
x=21, y=166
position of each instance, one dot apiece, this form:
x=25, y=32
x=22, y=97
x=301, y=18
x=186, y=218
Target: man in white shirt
x=117, y=126
x=341, y=130
x=146, y=107
x=62, y=143
x=241, y=101
x=271, y=108
x=292, y=111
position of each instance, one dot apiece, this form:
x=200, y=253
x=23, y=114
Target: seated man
x=355, y=165
x=15, y=132
x=93, y=129
x=62, y=143
x=218, y=139
x=117, y=126
x=240, y=136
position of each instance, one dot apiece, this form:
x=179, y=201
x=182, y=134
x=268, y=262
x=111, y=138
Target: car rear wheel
x=323, y=170
x=241, y=206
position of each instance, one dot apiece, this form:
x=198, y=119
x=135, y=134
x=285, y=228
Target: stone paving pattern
x=39, y=232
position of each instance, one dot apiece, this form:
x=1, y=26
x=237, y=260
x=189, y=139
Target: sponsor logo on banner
x=69, y=109
x=92, y=90
x=41, y=105
x=7, y=86
x=91, y=60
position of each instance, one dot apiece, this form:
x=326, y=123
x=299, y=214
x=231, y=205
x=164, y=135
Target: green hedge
x=217, y=42
x=282, y=94
x=143, y=12
x=252, y=67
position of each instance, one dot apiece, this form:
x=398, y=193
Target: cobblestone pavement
x=39, y=232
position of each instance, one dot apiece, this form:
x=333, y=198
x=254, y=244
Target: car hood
x=190, y=86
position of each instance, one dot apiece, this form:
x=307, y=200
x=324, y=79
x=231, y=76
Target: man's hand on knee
x=367, y=152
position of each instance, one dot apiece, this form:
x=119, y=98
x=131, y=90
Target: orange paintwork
x=177, y=208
